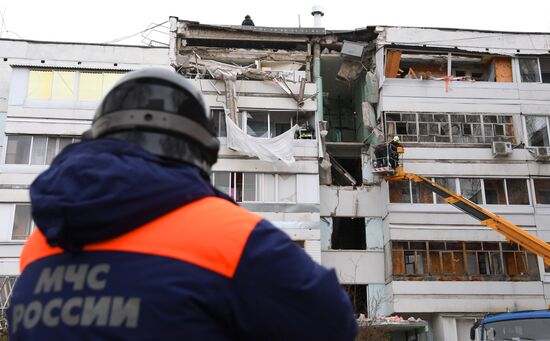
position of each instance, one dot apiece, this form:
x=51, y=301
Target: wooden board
x=503, y=69
x=393, y=58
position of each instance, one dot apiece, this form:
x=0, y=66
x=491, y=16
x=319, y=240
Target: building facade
x=48, y=96
x=471, y=109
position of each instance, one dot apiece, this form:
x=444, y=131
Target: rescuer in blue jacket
x=134, y=243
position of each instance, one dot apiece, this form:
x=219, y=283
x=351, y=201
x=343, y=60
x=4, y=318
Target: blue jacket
x=132, y=247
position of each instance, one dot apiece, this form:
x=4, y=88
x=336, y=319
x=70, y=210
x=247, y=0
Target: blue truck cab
x=516, y=326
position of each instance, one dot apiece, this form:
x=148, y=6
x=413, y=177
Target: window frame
x=448, y=126
x=76, y=85
x=458, y=190
x=436, y=268
x=524, y=122
x=259, y=184
x=30, y=228
x=538, y=66
x=74, y=139
x=534, y=190
x=243, y=120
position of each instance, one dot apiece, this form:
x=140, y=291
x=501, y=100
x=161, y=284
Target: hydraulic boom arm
x=512, y=232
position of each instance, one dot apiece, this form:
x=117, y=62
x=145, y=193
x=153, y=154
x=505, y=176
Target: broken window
x=22, y=222
x=346, y=171
x=436, y=65
x=474, y=67
x=449, y=127
x=35, y=150
x=537, y=131
x=421, y=194
x=517, y=192
x=449, y=184
x=462, y=261
x=256, y=187
x=529, y=70
x=542, y=191
x=471, y=189
x=415, y=65
x=348, y=234
x=400, y=192
x=358, y=297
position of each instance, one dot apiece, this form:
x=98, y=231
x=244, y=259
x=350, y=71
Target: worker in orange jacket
x=134, y=243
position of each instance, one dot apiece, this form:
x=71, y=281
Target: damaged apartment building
x=299, y=112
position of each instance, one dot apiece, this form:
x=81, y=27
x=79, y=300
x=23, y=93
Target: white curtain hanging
x=272, y=149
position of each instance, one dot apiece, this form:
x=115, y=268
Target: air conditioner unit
x=541, y=153
x=502, y=148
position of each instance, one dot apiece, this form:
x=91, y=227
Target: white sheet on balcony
x=272, y=149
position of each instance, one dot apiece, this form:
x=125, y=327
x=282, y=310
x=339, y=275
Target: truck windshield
x=517, y=330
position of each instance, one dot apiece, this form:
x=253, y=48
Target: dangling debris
x=272, y=149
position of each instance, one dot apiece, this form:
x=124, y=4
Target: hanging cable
x=135, y=34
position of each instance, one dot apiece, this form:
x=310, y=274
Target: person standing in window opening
x=392, y=150
x=134, y=243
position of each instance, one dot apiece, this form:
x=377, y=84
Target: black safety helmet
x=162, y=112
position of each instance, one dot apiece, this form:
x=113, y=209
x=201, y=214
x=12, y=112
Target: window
x=35, y=150
x=267, y=124
x=93, y=85
x=457, y=260
x=421, y=194
x=471, y=189
x=517, y=191
x=494, y=192
x=529, y=70
x=218, y=118
x=479, y=191
x=449, y=184
x=544, y=63
x=62, y=85
x=256, y=187
x=348, y=234
x=449, y=127
x=400, y=192
x=22, y=222
x=537, y=131
x=257, y=124
x=542, y=191
x=435, y=65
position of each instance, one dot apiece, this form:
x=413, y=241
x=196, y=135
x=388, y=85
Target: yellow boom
x=509, y=230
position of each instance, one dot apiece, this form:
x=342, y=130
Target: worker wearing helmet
x=134, y=243
x=394, y=155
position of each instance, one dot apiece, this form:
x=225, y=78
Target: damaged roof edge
x=315, y=31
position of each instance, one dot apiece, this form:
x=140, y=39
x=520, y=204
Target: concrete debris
x=362, y=320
